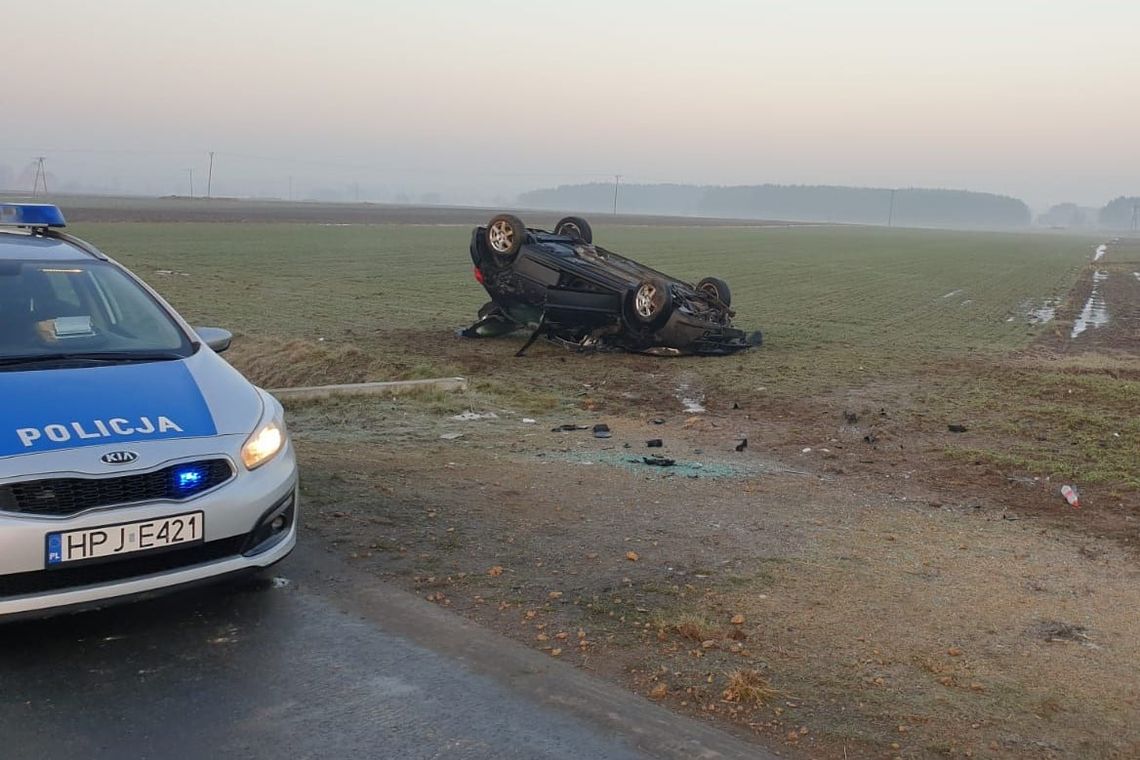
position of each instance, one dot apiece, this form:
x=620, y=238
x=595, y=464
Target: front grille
x=42, y=581
x=60, y=497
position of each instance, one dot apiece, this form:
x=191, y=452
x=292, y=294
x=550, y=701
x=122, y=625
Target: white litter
x=472, y=416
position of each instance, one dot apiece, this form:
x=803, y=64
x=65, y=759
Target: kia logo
x=119, y=457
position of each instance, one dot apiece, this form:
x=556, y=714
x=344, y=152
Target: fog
x=477, y=102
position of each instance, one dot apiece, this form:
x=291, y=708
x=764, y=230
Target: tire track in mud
x=1102, y=312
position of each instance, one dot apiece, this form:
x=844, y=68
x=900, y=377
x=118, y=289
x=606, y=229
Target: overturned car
x=576, y=293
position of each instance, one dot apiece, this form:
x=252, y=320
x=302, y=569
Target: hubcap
x=501, y=236
x=645, y=301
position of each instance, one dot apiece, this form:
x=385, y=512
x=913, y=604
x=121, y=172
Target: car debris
x=583, y=296
x=957, y=428
x=602, y=431
x=568, y=428
x=658, y=461
x=742, y=445
x=655, y=443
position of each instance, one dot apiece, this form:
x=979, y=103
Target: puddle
x=1034, y=314
x=1095, y=313
x=953, y=293
x=692, y=401
x=1043, y=314
x=1136, y=275
x=1100, y=251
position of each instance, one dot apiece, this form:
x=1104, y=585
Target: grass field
x=829, y=300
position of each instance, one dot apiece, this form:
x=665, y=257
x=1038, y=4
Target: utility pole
x=891, y=213
x=191, y=173
x=1135, y=206
x=41, y=176
x=617, y=183
x=210, y=177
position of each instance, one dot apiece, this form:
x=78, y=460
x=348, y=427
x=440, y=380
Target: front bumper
x=237, y=539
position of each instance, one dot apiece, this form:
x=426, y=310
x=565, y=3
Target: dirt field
x=857, y=581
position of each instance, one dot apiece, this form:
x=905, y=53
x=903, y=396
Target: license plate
x=125, y=538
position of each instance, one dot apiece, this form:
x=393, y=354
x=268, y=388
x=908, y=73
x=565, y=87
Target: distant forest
x=913, y=207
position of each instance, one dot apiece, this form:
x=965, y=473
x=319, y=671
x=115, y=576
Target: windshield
x=81, y=309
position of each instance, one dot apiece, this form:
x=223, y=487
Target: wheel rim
x=501, y=236
x=645, y=302
x=569, y=229
x=711, y=290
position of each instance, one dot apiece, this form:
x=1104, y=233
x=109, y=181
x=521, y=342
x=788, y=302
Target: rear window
x=90, y=307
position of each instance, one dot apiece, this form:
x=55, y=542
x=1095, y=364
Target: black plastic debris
x=851, y=417
x=956, y=428
x=655, y=443
x=735, y=405
x=869, y=438
x=659, y=461
x=742, y=445
x=658, y=421
x=569, y=428
x=602, y=430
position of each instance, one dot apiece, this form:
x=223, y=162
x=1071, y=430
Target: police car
x=132, y=457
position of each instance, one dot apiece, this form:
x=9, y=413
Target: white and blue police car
x=133, y=458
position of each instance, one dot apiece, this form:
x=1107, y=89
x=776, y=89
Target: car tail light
x=478, y=275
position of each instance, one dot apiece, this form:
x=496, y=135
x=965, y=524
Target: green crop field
x=829, y=300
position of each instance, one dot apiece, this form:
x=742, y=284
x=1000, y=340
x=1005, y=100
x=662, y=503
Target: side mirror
x=215, y=337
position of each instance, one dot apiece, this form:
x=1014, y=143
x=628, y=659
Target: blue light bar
x=31, y=215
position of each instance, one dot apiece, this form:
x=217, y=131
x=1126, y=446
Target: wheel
x=505, y=235
x=574, y=227
x=717, y=288
x=651, y=302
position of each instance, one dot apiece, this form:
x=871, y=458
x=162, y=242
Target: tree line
x=914, y=207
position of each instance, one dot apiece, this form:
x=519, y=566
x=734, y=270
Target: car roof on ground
x=22, y=245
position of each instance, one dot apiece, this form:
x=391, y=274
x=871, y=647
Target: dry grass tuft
x=692, y=626
x=749, y=687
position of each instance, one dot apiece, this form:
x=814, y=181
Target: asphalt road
x=330, y=664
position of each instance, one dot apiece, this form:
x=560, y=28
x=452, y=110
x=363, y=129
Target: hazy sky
x=1036, y=99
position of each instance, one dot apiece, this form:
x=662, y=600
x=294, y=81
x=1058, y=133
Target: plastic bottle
x=1071, y=496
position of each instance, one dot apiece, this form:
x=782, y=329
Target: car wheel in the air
x=506, y=234
x=651, y=303
x=717, y=288
x=575, y=227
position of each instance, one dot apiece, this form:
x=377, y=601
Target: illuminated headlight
x=264, y=444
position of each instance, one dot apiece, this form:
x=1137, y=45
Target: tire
x=651, y=303
x=717, y=288
x=505, y=236
x=576, y=228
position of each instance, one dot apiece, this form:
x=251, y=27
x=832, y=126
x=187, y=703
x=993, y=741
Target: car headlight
x=264, y=444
